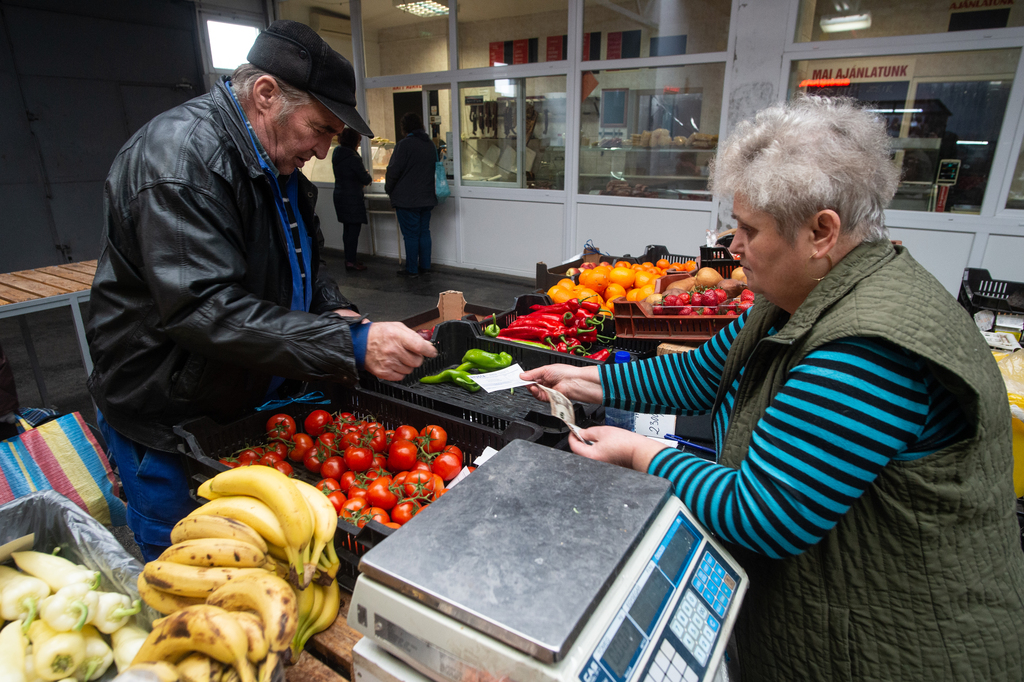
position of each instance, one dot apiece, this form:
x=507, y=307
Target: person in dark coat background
x=350, y=177
x=409, y=182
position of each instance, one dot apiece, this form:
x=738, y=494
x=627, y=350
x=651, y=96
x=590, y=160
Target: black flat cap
x=294, y=53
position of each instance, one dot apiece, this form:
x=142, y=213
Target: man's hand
x=393, y=351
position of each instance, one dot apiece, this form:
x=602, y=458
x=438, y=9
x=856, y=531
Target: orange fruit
x=645, y=292
x=598, y=281
x=647, y=264
x=584, y=277
x=622, y=264
x=632, y=294
x=623, y=277
x=566, y=283
x=662, y=263
x=614, y=291
x=677, y=266
x=559, y=294
x=690, y=265
x=643, y=278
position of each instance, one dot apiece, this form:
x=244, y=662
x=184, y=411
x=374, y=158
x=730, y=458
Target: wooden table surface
x=328, y=655
x=29, y=285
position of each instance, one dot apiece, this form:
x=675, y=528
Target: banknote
x=562, y=408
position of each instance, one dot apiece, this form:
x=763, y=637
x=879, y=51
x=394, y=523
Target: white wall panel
x=510, y=236
x=1004, y=257
x=618, y=230
x=942, y=253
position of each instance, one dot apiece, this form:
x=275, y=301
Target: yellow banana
x=164, y=602
x=195, y=527
x=266, y=668
x=328, y=612
x=305, y=599
x=195, y=667
x=269, y=597
x=325, y=522
x=273, y=488
x=221, y=552
x=191, y=581
x=164, y=671
x=203, y=628
x=315, y=606
x=259, y=645
x=278, y=567
x=249, y=511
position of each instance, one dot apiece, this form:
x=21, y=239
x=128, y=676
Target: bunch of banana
x=318, y=607
x=295, y=520
x=238, y=634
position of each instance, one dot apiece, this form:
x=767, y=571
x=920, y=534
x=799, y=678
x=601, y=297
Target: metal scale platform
x=543, y=565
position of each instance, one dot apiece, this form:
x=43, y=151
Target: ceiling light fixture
x=846, y=22
x=422, y=8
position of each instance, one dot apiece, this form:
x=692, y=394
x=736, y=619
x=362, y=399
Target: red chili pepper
x=557, y=308
x=545, y=321
x=590, y=306
x=561, y=347
x=600, y=355
x=587, y=335
x=527, y=333
x=554, y=318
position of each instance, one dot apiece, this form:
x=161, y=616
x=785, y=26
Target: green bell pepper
x=488, y=362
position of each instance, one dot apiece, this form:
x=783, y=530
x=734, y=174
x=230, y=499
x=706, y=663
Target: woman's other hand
x=575, y=383
x=617, y=446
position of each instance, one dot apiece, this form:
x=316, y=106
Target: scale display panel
x=697, y=599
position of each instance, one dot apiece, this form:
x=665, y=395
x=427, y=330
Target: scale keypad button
x=713, y=583
x=695, y=626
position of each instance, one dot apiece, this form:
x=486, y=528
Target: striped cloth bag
x=62, y=455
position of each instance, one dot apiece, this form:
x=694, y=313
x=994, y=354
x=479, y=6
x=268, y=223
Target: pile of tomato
x=367, y=471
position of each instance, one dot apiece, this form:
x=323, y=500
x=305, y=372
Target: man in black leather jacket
x=208, y=293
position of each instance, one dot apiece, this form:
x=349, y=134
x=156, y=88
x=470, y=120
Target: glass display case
x=675, y=171
x=380, y=154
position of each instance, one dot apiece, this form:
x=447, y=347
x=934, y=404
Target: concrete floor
x=377, y=291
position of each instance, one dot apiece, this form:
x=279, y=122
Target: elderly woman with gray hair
x=863, y=473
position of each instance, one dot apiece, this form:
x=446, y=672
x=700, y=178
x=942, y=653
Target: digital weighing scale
x=546, y=566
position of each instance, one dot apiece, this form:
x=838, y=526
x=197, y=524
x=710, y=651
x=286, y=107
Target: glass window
x=321, y=170
x=404, y=37
x=845, y=19
x=650, y=132
x=496, y=115
x=620, y=29
x=229, y=43
x=385, y=108
x=944, y=111
x=1016, y=198
x=523, y=32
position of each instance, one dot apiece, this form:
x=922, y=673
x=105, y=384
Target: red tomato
x=392, y=524
x=281, y=426
x=285, y=468
x=439, y=488
x=316, y=421
x=278, y=448
x=313, y=461
x=419, y=483
x=379, y=494
x=446, y=465
x=454, y=450
x=343, y=418
x=270, y=459
x=346, y=480
x=435, y=438
x=356, y=492
x=378, y=440
x=406, y=432
x=230, y=463
x=358, y=458
x=338, y=499
x=377, y=514
x=380, y=462
x=333, y=467
x=247, y=456
x=370, y=427
x=328, y=444
x=402, y=455
x=350, y=438
x=301, y=445
x=421, y=466
x=326, y=485
x=404, y=511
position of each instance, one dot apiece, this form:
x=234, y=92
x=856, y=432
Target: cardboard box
x=667, y=348
x=451, y=305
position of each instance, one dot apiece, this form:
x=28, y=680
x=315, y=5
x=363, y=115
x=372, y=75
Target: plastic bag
x=58, y=522
x=441, y=188
x=1011, y=367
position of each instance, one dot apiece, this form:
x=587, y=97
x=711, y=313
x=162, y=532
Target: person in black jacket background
x=409, y=182
x=350, y=177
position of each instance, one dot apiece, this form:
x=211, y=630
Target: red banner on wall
x=554, y=53
x=520, y=51
x=614, y=45
x=497, y=53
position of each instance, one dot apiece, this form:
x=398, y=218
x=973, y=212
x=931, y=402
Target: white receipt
x=500, y=380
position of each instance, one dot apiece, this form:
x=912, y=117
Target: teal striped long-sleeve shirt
x=845, y=412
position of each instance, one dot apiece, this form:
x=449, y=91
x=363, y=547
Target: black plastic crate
x=978, y=291
x=549, y=277
x=452, y=340
x=639, y=349
x=206, y=441
x=655, y=252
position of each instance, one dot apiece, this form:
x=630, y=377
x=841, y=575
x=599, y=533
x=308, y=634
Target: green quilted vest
x=923, y=579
